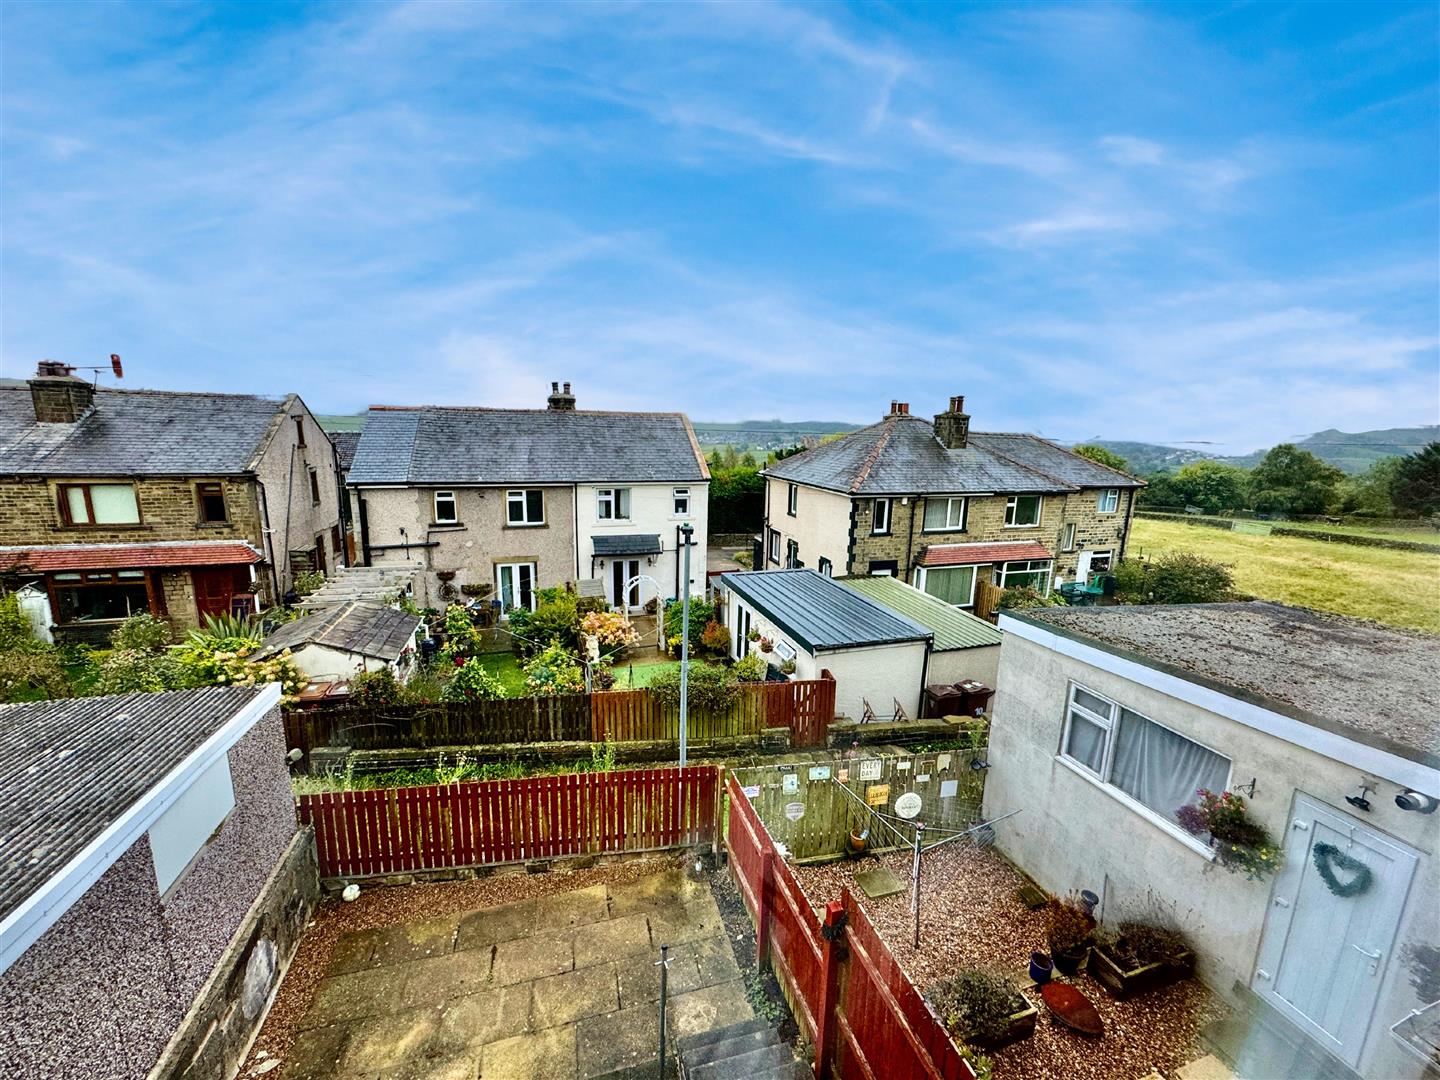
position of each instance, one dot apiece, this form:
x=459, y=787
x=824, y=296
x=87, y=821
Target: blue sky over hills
x=1151, y=222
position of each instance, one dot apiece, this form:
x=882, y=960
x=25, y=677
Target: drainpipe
x=575, y=528
x=289, y=502
x=1129, y=520
x=268, y=537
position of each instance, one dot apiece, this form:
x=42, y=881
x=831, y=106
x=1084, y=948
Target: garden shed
x=965, y=647
x=338, y=642
x=874, y=654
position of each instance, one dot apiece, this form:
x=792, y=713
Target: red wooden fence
x=860, y=1010
x=399, y=830
x=805, y=706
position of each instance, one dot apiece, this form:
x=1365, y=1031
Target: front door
x=1323, y=955
x=214, y=590
x=625, y=572
x=515, y=584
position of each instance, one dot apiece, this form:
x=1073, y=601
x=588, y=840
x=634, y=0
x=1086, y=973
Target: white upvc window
x=1030, y=573
x=682, y=501
x=944, y=514
x=1109, y=500
x=792, y=500
x=1023, y=511
x=825, y=566
x=446, y=512
x=772, y=549
x=1101, y=561
x=525, y=506
x=1067, y=541
x=880, y=517
x=1147, y=763
x=612, y=504
x=792, y=555
x=953, y=584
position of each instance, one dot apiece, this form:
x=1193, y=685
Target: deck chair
x=900, y=713
x=867, y=714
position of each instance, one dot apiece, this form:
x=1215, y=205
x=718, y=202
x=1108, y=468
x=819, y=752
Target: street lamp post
x=686, y=531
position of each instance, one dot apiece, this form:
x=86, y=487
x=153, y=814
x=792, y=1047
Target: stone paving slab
x=563, y=999
x=541, y=1055
x=617, y=1040
x=350, y=996
x=432, y=981
x=381, y=1043
x=704, y=1010
x=612, y=939
x=525, y=959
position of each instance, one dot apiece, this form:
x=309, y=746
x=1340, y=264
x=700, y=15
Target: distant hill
x=331, y=422
x=1352, y=451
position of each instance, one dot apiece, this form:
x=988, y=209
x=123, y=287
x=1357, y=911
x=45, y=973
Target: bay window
x=944, y=515
x=1158, y=768
x=953, y=584
x=99, y=504
x=1022, y=511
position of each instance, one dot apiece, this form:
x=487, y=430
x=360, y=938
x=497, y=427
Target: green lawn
x=643, y=673
x=1397, y=587
x=506, y=667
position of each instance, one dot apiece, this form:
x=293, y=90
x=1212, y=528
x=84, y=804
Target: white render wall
x=953, y=665
x=1073, y=834
x=652, y=510
x=321, y=662
x=821, y=525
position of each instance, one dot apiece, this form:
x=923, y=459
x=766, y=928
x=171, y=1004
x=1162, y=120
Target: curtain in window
x=114, y=504
x=952, y=586
x=1161, y=769
x=1087, y=742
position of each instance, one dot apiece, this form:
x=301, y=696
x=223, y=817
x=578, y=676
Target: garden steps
x=751, y=1050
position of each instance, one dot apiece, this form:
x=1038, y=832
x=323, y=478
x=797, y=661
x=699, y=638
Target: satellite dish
x=908, y=805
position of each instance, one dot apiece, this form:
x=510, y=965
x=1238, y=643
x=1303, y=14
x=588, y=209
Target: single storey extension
x=338, y=642
x=965, y=647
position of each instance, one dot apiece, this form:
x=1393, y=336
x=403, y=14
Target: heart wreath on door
x=1329, y=858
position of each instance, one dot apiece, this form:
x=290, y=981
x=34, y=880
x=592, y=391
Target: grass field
x=1421, y=534
x=1397, y=587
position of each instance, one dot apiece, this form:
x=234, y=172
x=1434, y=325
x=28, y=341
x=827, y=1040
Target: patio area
x=559, y=984
x=972, y=917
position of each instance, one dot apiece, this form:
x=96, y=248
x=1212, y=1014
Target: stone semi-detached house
x=181, y=504
x=945, y=508
x=510, y=501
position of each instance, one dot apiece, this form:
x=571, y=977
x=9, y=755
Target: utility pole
x=686, y=531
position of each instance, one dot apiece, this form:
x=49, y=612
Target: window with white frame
x=825, y=566
x=880, y=517
x=445, y=509
x=1157, y=767
x=1109, y=500
x=1026, y=573
x=792, y=500
x=773, y=546
x=944, y=515
x=682, y=502
x=612, y=504
x=953, y=584
x=1022, y=511
x=525, y=506
x=1100, y=561
x=1067, y=540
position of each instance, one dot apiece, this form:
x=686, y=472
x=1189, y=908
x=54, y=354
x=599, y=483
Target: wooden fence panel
x=399, y=830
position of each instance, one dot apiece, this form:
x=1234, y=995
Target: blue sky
x=1172, y=223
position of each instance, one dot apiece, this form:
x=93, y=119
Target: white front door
x=1082, y=567
x=623, y=572
x=515, y=582
x=1323, y=956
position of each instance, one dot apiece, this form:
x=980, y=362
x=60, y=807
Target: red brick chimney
x=952, y=427
x=899, y=408
x=58, y=396
x=560, y=400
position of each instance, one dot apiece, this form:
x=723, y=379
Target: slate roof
x=633, y=544
x=440, y=445
x=70, y=768
x=358, y=626
x=901, y=456
x=137, y=433
x=820, y=613
x=1376, y=684
x=44, y=559
x=953, y=628
x=977, y=554
x=346, y=443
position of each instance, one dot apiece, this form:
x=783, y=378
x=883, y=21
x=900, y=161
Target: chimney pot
x=952, y=427
x=560, y=400
x=904, y=408
x=554, y=387
x=567, y=388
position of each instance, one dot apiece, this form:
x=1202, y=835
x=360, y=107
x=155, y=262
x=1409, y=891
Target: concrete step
x=714, y=1035
x=696, y=1056
x=744, y=1066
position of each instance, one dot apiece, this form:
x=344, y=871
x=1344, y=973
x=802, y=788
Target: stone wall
x=169, y=510
x=296, y=519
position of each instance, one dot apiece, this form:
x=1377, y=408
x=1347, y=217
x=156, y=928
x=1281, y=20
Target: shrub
x=472, y=682
x=556, y=618
x=1177, y=577
x=1067, y=927
x=750, y=668
x=129, y=671
x=610, y=628
x=554, y=670
x=308, y=581
x=701, y=612
x=15, y=629
x=373, y=689
x=143, y=632
x=226, y=632
x=711, y=687
x=28, y=675
x=424, y=687
x=1137, y=944
x=212, y=657
x=716, y=638
x=1023, y=596
x=977, y=1004
x=461, y=636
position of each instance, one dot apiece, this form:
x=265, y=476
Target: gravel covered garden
x=972, y=917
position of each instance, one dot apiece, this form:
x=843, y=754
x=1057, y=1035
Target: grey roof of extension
x=1378, y=685
x=361, y=627
x=444, y=445
x=820, y=613
x=137, y=433
x=901, y=456
x=628, y=544
x=69, y=769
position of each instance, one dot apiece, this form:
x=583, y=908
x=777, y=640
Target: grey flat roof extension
x=819, y=612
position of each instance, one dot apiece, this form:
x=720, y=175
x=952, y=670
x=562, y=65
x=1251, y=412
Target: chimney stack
x=899, y=408
x=560, y=400
x=58, y=396
x=952, y=427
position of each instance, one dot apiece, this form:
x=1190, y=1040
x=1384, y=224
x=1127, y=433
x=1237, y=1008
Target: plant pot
x=1121, y=983
x=1088, y=900
x=1040, y=968
x=1068, y=963
x=1021, y=1026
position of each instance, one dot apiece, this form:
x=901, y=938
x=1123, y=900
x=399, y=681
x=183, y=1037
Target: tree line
x=1289, y=480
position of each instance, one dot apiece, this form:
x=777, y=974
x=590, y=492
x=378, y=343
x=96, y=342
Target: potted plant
x=1134, y=957
x=1241, y=844
x=983, y=1009
x=753, y=635
x=787, y=668
x=1067, y=931
x=766, y=644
